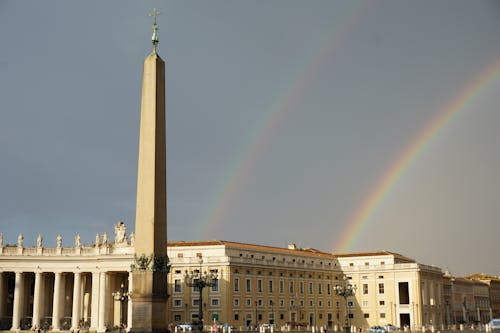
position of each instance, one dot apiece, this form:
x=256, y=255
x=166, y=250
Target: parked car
x=494, y=324
x=378, y=329
x=185, y=327
x=391, y=328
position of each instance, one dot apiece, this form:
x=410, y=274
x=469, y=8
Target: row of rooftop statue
x=120, y=239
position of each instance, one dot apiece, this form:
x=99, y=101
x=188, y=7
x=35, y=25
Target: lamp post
x=346, y=290
x=200, y=280
x=122, y=296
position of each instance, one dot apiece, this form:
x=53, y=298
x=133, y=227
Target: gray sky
x=282, y=116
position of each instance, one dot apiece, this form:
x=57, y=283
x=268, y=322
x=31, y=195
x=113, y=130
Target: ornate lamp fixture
x=346, y=290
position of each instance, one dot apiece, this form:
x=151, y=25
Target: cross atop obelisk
x=154, y=37
x=149, y=272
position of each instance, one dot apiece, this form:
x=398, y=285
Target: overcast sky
x=282, y=118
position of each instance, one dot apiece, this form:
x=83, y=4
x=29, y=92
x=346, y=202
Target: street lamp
x=122, y=296
x=200, y=280
x=346, y=290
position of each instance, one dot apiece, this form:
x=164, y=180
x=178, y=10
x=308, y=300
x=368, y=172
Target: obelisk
x=149, y=272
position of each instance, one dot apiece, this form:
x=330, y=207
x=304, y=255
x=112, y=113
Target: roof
x=374, y=254
x=254, y=247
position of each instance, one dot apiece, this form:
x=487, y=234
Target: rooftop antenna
x=154, y=37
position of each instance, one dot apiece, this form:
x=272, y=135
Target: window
x=177, y=303
x=282, y=303
x=367, y=264
x=382, y=315
x=259, y=285
x=320, y=288
x=351, y=315
x=259, y=302
x=311, y=288
x=236, y=284
x=177, y=286
x=404, y=293
x=381, y=302
x=292, y=289
x=350, y=304
x=366, y=315
x=282, y=286
x=248, y=302
x=249, y=285
x=236, y=302
x=380, y=288
x=329, y=304
x=215, y=285
x=195, y=286
x=311, y=303
x=177, y=317
x=365, y=288
x=196, y=302
x=215, y=302
x=301, y=287
x=320, y=303
x=380, y=276
x=365, y=304
x=271, y=286
x=236, y=317
x=328, y=289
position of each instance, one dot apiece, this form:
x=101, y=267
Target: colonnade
x=65, y=300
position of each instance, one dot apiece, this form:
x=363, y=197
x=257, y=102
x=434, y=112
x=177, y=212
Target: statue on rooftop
x=39, y=240
x=120, y=230
x=59, y=241
x=77, y=241
x=20, y=240
x=97, y=240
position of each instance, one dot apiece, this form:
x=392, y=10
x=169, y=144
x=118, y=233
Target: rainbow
x=385, y=183
x=255, y=145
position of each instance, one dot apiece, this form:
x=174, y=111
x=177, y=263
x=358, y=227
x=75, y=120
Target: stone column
x=77, y=293
x=94, y=316
x=102, y=303
x=18, y=296
x=129, y=303
x=56, y=312
x=36, y=300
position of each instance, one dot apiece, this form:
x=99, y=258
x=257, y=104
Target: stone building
x=296, y=287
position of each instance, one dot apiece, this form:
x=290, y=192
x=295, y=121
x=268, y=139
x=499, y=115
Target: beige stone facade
x=292, y=287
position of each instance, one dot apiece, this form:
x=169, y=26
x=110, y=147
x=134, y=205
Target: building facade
x=292, y=287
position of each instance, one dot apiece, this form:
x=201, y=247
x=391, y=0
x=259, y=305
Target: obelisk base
x=149, y=310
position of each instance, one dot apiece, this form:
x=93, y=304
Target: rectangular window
x=381, y=303
x=381, y=288
x=365, y=304
x=350, y=304
x=248, y=302
x=328, y=289
x=320, y=288
x=271, y=286
x=177, y=286
x=215, y=302
x=404, y=294
x=366, y=315
x=259, y=285
x=249, y=285
x=292, y=289
x=282, y=286
x=236, y=317
x=311, y=288
x=236, y=302
x=301, y=287
x=259, y=302
x=382, y=315
x=282, y=303
x=196, y=302
x=177, y=317
x=365, y=288
x=236, y=284
x=215, y=285
x=177, y=303
x=351, y=315
x=195, y=285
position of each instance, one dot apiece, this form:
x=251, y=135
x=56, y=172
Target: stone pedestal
x=149, y=302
